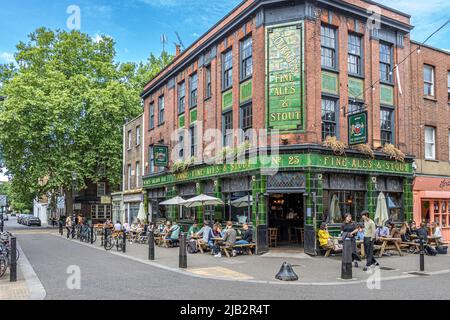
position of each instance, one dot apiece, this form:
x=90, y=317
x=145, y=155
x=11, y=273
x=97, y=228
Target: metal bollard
x=103, y=237
x=92, y=234
x=61, y=231
x=346, y=270
x=422, y=255
x=183, y=252
x=124, y=241
x=151, y=246
x=13, y=262
x=1, y=222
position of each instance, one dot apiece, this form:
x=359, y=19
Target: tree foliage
x=66, y=104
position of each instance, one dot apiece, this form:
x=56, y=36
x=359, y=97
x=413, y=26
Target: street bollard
x=422, y=255
x=183, y=252
x=103, y=237
x=1, y=222
x=346, y=271
x=151, y=246
x=13, y=262
x=124, y=241
x=92, y=233
x=60, y=224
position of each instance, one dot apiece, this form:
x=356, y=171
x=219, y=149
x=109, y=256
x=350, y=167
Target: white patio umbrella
x=242, y=202
x=177, y=201
x=202, y=200
x=335, y=210
x=141, y=215
x=381, y=213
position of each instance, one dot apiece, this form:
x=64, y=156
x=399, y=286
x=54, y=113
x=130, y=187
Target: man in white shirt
x=118, y=226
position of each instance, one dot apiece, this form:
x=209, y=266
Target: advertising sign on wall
x=357, y=128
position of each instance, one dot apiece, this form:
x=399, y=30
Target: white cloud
x=6, y=57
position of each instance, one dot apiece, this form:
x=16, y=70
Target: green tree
x=66, y=104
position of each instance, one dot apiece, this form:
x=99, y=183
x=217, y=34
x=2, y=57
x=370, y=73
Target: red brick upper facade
x=252, y=19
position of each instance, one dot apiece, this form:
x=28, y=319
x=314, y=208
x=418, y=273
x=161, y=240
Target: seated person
x=422, y=233
x=206, y=234
x=166, y=228
x=393, y=231
x=325, y=240
x=193, y=230
x=361, y=232
x=118, y=227
x=437, y=232
x=247, y=238
x=174, y=233
x=229, y=240
x=217, y=230
x=381, y=232
x=413, y=227
x=405, y=232
x=127, y=227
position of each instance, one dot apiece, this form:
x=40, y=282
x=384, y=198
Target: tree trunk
x=69, y=201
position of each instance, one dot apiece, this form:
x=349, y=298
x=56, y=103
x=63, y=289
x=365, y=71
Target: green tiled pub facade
x=311, y=173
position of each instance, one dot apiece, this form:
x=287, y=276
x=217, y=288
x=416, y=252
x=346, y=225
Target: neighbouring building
x=309, y=70
x=128, y=202
x=430, y=94
x=94, y=202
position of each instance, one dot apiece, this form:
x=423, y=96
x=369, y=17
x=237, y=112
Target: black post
x=346, y=271
x=1, y=222
x=183, y=252
x=92, y=233
x=13, y=262
x=151, y=246
x=60, y=225
x=124, y=242
x=422, y=255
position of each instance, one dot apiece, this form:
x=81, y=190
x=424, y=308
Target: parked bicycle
x=85, y=234
x=5, y=252
x=114, y=240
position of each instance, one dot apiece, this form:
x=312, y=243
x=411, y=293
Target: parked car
x=33, y=221
x=5, y=217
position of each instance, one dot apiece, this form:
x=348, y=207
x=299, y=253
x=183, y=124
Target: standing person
x=369, y=240
x=68, y=226
x=349, y=230
x=437, y=232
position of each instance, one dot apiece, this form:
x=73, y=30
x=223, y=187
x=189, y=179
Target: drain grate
x=418, y=274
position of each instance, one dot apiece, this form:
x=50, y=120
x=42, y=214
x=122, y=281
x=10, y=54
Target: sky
x=137, y=25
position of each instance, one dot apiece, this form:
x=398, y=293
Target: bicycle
x=86, y=235
x=115, y=239
x=5, y=252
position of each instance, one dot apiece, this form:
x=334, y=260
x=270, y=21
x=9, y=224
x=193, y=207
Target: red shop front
x=432, y=202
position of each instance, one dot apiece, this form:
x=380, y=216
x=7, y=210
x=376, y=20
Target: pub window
x=101, y=189
x=354, y=54
x=181, y=143
x=430, y=143
x=181, y=97
x=246, y=58
x=193, y=86
x=138, y=174
x=227, y=67
x=161, y=108
x=193, y=132
x=152, y=116
x=208, y=85
x=129, y=177
x=386, y=62
x=329, y=122
x=129, y=139
x=355, y=107
x=328, y=46
x=246, y=117
x=448, y=85
x=227, y=125
x=386, y=126
x=138, y=135
x=428, y=80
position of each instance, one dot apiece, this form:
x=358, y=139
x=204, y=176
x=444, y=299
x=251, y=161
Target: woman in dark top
x=349, y=229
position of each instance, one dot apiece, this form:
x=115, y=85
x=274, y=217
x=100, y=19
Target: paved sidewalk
x=14, y=290
x=311, y=270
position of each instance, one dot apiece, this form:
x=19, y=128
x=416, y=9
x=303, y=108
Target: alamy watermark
x=73, y=282
x=74, y=19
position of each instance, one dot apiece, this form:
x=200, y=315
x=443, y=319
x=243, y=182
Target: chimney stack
x=178, y=50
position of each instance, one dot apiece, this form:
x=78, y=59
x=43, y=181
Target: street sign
x=61, y=202
x=3, y=200
x=161, y=156
x=357, y=128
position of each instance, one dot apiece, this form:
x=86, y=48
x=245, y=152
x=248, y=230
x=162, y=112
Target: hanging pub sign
x=284, y=68
x=161, y=156
x=357, y=128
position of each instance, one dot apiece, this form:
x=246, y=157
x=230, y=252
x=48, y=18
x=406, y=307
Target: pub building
x=299, y=69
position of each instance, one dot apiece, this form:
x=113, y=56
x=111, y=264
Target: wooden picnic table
x=434, y=239
x=359, y=244
x=390, y=243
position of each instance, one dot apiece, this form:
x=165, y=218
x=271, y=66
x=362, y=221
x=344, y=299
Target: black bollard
x=183, y=252
x=346, y=270
x=124, y=241
x=92, y=233
x=286, y=273
x=60, y=224
x=151, y=246
x=13, y=262
x=1, y=222
x=422, y=255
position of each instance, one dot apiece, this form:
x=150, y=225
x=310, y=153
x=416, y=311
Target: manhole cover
x=418, y=274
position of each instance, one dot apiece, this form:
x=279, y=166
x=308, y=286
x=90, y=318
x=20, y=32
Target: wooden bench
x=329, y=250
x=247, y=247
